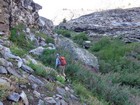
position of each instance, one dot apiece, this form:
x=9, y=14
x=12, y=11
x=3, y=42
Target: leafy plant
x=39, y=70
x=63, y=32
x=80, y=38
x=48, y=57
x=60, y=79
x=49, y=40
x=18, y=37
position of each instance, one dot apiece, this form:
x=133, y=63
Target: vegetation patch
x=19, y=38
x=80, y=38
x=63, y=32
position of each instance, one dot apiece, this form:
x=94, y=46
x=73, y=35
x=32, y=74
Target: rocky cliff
x=14, y=12
x=117, y=22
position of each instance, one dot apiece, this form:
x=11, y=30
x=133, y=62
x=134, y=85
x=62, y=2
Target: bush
x=3, y=94
x=48, y=57
x=80, y=38
x=39, y=70
x=63, y=32
x=60, y=79
x=86, y=96
x=49, y=40
x=17, y=51
x=18, y=37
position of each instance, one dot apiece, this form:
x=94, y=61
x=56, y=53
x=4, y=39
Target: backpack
x=62, y=61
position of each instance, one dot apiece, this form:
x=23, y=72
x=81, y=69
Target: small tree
x=64, y=20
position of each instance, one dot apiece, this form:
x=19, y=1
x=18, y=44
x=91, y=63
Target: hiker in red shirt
x=61, y=64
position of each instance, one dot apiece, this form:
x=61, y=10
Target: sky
x=52, y=7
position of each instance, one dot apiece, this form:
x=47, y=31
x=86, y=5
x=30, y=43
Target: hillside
x=100, y=70
x=117, y=22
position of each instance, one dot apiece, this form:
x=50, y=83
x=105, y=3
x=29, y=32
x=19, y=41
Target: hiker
x=60, y=64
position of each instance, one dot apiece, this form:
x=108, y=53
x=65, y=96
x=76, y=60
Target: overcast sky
x=51, y=7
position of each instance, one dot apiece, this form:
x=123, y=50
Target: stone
x=30, y=59
x=4, y=84
x=36, y=80
x=27, y=68
x=7, y=53
x=37, y=94
x=61, y=91
x=63, y=102
x=5, y=63
x=37, y=51
x=14, y=97
x=28, y=30
x=50, y=100
x=34, y=86
x=73, y=97
x=46, y=25
x=59, y=96
x=3, y=70
x=40, y=102
x=24, y=98
x=13, y=72
x=1, y=103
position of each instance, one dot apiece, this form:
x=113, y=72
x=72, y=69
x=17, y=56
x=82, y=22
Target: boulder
x=3, y=70
x=24, y=98
x=5, y=63
x=36, y=80
x=61, y=91
x=1, y=103
x=50, y=101
x=78, y=53
x=13, y=72
x=14, y=97
x=27, y=68
x=4, y=84
x=37, y=51
x=46, y=26
x=40, y=102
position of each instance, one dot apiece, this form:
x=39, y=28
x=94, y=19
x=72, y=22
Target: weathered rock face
x=25, y=12
x=46, y=25
x=117, y=22
x=4, y=17
x=78, y=53
x=14, y=12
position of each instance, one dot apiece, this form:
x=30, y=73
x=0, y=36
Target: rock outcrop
x=46, y=25
x=78, y=53
x=117, y=22
x=14, y=12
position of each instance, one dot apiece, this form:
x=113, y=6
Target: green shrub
x=48, y=57
x=60, y=79
x=64, y=20
x=41, y=35
x=63, y=32
x=80, y=38
x=3, y=94
x=49, y=40
x=39, y=70
x=86, y=96
x=17, y=51
x=18, y=37
x=104, y=42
